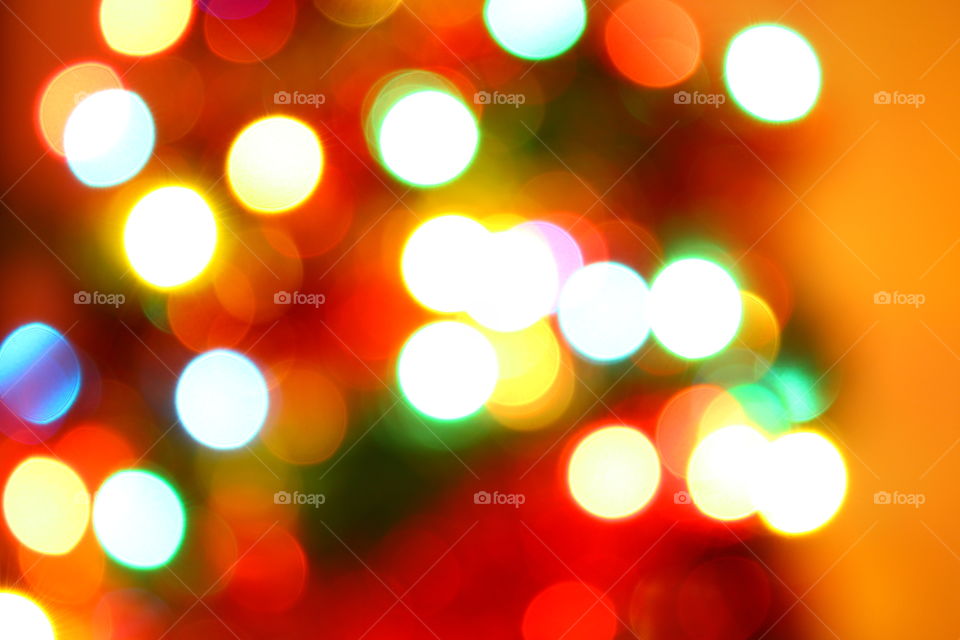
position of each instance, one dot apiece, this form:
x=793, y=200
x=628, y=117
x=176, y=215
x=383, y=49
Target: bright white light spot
x=428, y=138
x=695, y=308
x=535, y=29
x=722, y=470
x=170, y=236
x=108, y=138
x=772, y=73
x=22, y=619
x=222, y=399
x=801, y=483
x=441, y=259
x=447, y=370
x=517, y=281
x=614, y=472
x=604, y=311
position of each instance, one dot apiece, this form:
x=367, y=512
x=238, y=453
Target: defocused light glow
x=679, y=422
x=803, y=396
x=695, y=308
x=441, y=259
x=614, y=472
x=138, y=519
x=529, y=363
x=428, y=138
x=144, y=27
x=357, y=13
x=170, y=236
x=65, y=91
x=23, y=619
x=763, y=406
x=571, y=610
x=801, y=483
x=39, y=373
x=535, y=29
x=311, y=418
x=722, y=471
x=447, y=370
x=604, y=311
x=108, y=137
x=222, y=399
x=517, y=281
x=46, y=505
x=274, y=164
x=654, y=43
x=772, y=73
x=566, y=252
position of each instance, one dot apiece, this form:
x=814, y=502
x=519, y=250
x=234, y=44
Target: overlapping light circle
x=170, y=236
x=614, y=472
x=144, y=27
x=427, y=138
x=109, y=137
x=139, y=519
x=695, y=308
x=722, y=472
x=447, y=370
x=604, y=311
x=535, y=29
x=772, y=73
x=274, y=164
x=39, y=373
x=222, y=399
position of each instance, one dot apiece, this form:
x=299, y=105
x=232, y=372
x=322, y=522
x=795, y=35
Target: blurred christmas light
x=695, y=308
x=145, y=27
x=722, y=471
x=39, y=373
x=447, y=370
x=570, y=610
x=801, y=482
x=274, y=164
x=23, y=619
x=427, y=138
x=108, y=137
x=222, y=399
x=65, y=91
x=772, y=73
x=535, y=29
x=46, y=505
x=654, y=43
x=604, y=311
x=138, y=519
x=614, y=472
x=170, y=236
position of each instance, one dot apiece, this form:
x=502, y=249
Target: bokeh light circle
x=772, y=73
x=603, y=311
x=570, y=610
x=274, y=164
x=144, y=27
x=535, y=29
x=441, y=259
x=65, y=91
x=109, y=137
x=654, y=43
x=46, y=505
x=722, y=470
x=801, y=482
x=138, y=519
x=695, y=308
x=170, y=236
x=614, y=472
x=23, y=619
x=222, y=399
x=39, y=373
x=428, y=138
x=517, y=280
x=447, y=370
